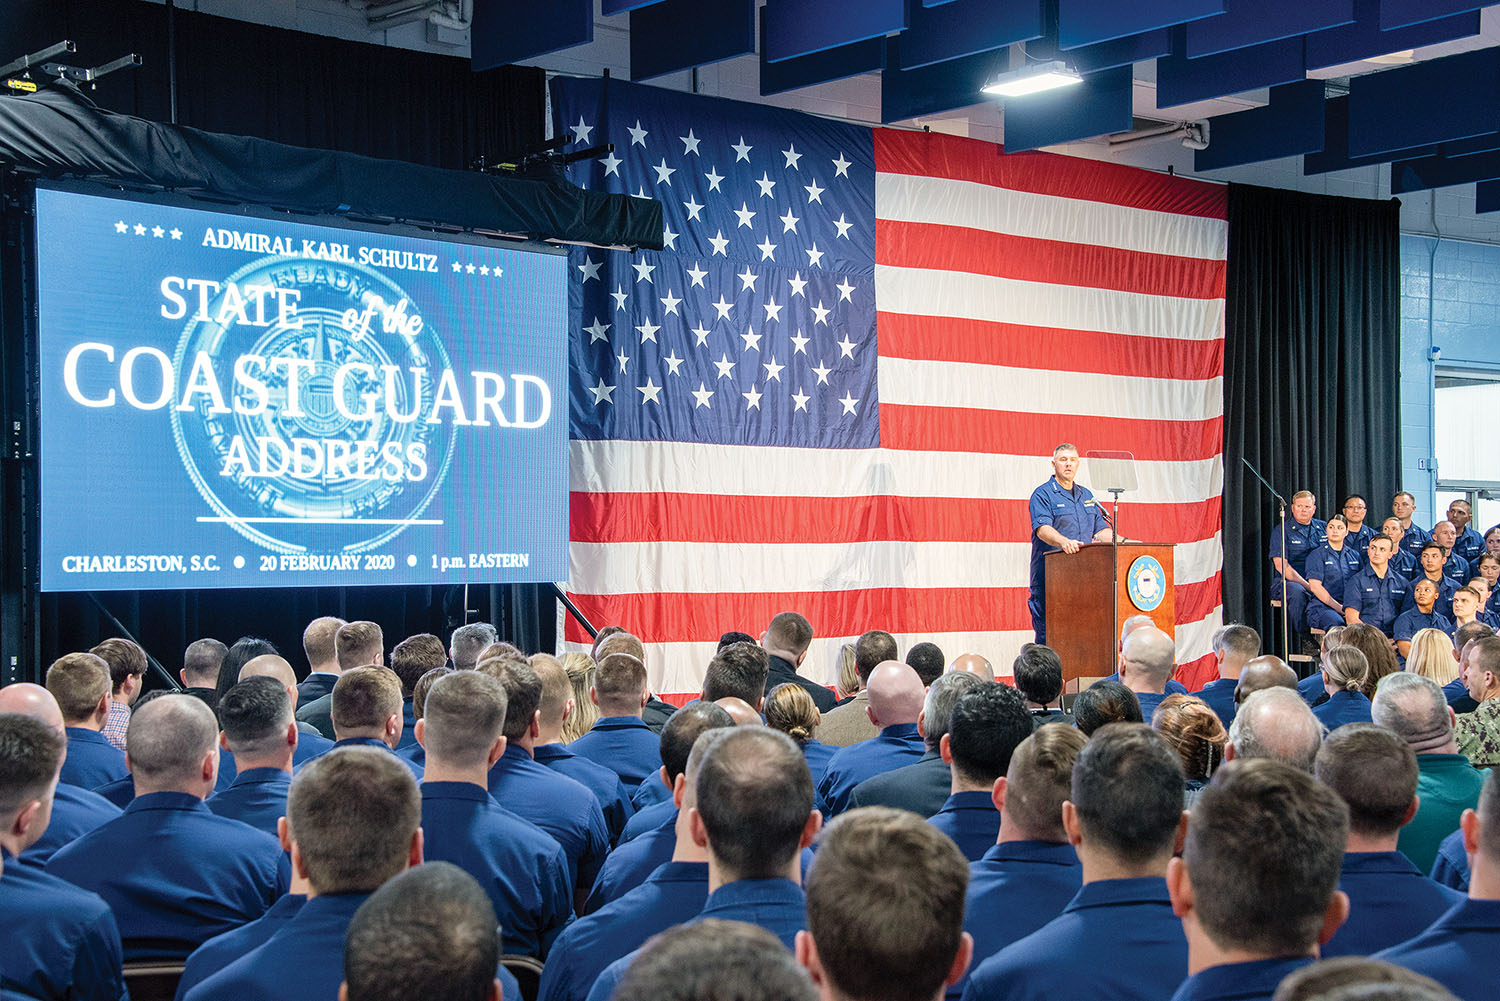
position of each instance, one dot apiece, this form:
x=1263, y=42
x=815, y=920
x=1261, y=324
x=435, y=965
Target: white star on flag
x=841, y=169
x=845, y=290
x=602, y=393
x=821, y=371
x=663, y=172
x=741, y=151
x=766, y=184
x=643, y=271
x=713, y=177
x=701, y=332
x=623, y=359
x=846, y=347
x=723, y=306
x=581, y=132
x=799, y=343
x=611, y=164
x=752, y=398
x=814, y=257
x=670, y=302
x=798, y=283
x=697, y=274
x=693, y=208
x=597, y=330
x=745, y=213
x=703, y=395
x=721, y=243
x=773, y=370
x=799, y=398
x=789, y=222
x=619, y=295
x=767, y=249
x=638, y=135
x=673, y=363
x=650, y=392
x=773, y=311
x=820, y=315
x=843, y=227
x=590, y=268
x=747, y=279
x=792, y=156
x=689, y=143
x=725, y=367
x=814, y=193
x=751, y=339
x=848, y=401
x=647, y=331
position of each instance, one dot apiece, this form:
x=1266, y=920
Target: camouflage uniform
x=1478, y=734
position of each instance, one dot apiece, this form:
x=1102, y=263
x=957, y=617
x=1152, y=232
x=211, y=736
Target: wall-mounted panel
x=1442, y=172
x=1399, y=13
x=940, y=87
x=1098, y=106
x=1335, y=153
x=820, y=67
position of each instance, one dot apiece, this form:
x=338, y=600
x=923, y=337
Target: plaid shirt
x=115, y=724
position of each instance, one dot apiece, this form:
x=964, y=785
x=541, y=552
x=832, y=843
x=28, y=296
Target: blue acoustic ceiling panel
x=679, y=34
x=1084, y=22
x=1364, y=38
x=1105, y=55
x=1098, y=106
x=1399, y=13
x=800, y=27
x=935, y=3
x=965, y=28
x=1441, y=172
x=1425, y=103
x=1335, y=153
x=1246, y=24
x=610, y=7
x=820, y=67
x=1180, y=80
x=1291, y=124
x=940, y=87
x=1487, y=196
x=508, y=31
x=1468, y=147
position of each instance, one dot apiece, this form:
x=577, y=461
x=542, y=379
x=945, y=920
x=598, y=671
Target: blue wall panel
x=1264, y=21
x=1441, y=172
x=939, y=87
x=1420, y=104
x=1290, y=124
x=1084, y=22
x=1398, y=13
x=678, y=34
x=508, y=31
x=1364, y=38
x=799, y=27
x=1335, y=154
x=830, y=64
x=965, y=28
x=1180, y=80
x=1098, y=106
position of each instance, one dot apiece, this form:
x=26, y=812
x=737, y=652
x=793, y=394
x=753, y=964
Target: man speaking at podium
x=1063, y=516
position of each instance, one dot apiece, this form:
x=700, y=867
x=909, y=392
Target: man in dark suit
x=925, y=785
x=984, y=729
x=787, y=639
x=200, y=670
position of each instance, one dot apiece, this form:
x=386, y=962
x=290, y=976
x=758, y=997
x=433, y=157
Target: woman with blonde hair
x=1196, y=733
x=580, y=668
x=847, y=676
x=1345, y=671
x=790, y=709
x=1432, y=656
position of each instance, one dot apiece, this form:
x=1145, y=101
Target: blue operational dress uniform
x=1414, y=620
x=563, y=808
x=257, y=797
x=416, y=769
x=1219, y=696
x=1301, y=542
x=1359, y=541
x=304, y=958
x=623, y=744
x=896, y=745
x=817, y=755
x=921, y=788
x=1404, y=563
x=56, y=940
x=119, y=792
x=1451, y=867
x=1390, y=901
x=309, y=746
x=1256, y=980
x=784, y=672
x=1445, y=585
x=1149, y=701
x=1075, y=515
x=315, y=686
x=603, y=782
x=1343, y=707
x=971, y=820
x=521, y=868
x=75, y=812
x=650, y=792
x=1456, y=568
x=1331, y=568
x=1135, y=947
x=674, y=893
x=1172, y=687
x=175, y=874
x=221, y=950
x=92, y=760
x=1469, y=545
x=408, y=725
x=1412, y=541
x=661, y=814
x=1014, y=889
x=1377, y=599
x=1457, y=950
x=630, y=864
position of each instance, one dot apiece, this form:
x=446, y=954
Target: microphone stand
x=1286, y=641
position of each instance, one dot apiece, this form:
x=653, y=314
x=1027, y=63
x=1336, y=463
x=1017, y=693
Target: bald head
x=269, y=665
x=31, y=700
x=1131, y=624
x=1262, y=673
x=896, y=694
x=975, y=664
x=742, y=712
x=172, y=745
x=1276, y=723
x=1147, y=659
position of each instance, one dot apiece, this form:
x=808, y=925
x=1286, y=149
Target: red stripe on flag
x=958, y=429
x=1052, y=262
x=1197, y=673
x=1016, y=345
x=1196, y=600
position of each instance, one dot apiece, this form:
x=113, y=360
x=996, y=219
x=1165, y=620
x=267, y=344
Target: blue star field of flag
x=756, y=324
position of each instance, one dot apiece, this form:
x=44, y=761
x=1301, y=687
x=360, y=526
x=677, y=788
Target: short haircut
x=714, y=960
x=604, y=633
x=168, y=738
x=985, y=726
x=1485, y=655
x=1403, y=493
x=1038, y=673
x=790, y=708
x=620, y=681
x=1263, y=851
x=1471, y=593
x=1489, y=817
x=1194, y=731
x=78, y=681
x=254, y=715
x=1300, y=494
x=465, y=712
x=1275, y=723
x=734, y=636
x=1359, y=978
x=359, y=643
x=422, y=687
x=789, y=631
x=1470, y=631
x=1064, y=447
x=523, y=693
x=1374, y=772
x=556, y=688
x=885, y=905
x=1346, y=500
x=871, y=649
x=319, y=639
x=429, y=932
x=365, y=697
x=1240, y=641
x=352, y=813
x=201, y=660
x=1381, y=540
x=1437, y=547
x=1040, y=778
x=620, y=642
x=415, y=656
x=1128, y=791
x=927, y=660
x=31, y=752
x=684, y=728
x=468, y=640
x=738, y=671
x=1414, y=708
x=942, y=695
x=754, y=793
x=125, y=659
x=1105, y=702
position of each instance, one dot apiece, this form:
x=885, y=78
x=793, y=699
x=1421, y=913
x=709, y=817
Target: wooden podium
x=1088, y=599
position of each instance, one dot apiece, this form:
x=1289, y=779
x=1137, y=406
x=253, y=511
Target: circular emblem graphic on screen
x=315, y=437
x=1146, y=582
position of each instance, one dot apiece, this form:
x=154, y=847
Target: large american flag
x=836, y=387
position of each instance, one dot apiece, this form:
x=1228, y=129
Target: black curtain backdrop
x=1311, y=370
x=289, y=87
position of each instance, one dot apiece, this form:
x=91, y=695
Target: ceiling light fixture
x=1033, y=79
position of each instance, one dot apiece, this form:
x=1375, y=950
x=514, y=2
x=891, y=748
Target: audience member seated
x=1234, y=646
x=200, y=670
x=1467, y=604
x=1266, y=671
x=1377, y=594
x=1390, y=900
x=259, y=729
x=127, y=675
x=310, y=743
x=655, y=712
x=790, y=709
x=1403, y=562
x=580, y=668
x=366, y=710
x=1432, y=655
x=319, y=646
x=975, y=664
x=985, y=726
x=1412, y=707
x=356, y=644
x=927, y=660
x=1195, y=733
x=1344, y=672
x=1311, y=688
x=1327, y=569
x=846, y=684
x=850, y=723
x=885, y=910
x=1038, y=673
x=1359, y=978
x=1127, y=627
x=416, y=752
x=737, y=672
x=410, y=659
x=1478, y=732
x=1275, y=723
x=895, y=703
x=1423, y=615
x=521, y=869
x=787, y=639
x=620, y=739
x=80, y=684
x=713, y=959
x=1454, y=566
x=57, y=941
x=174, y=873
x=1105, y=702
x=466, y=642
x=676, y=742
x=1354, y=509
x=925, y=785
x=556, y=706
x=1457, y=690
x=352, y=822
x=743, y=713
x=1430, y=568
x=1125, y=819
x=241, y=652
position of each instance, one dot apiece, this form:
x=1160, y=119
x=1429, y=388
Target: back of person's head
x=978, y=665
x=200, y=663
x=78, y=681
x=1432, y=656
x=270, y=665
x=364, y=698
x=942, y=695
x=1374, y=772
x=1194, y=731
x=985, y=726
x=871, y=650
x=556, y=689
x=927, y=660
x=846, y=674
x=1151, y=656
x=1469, y=632
x=1276, y=723
x=896, y=694
x=1236, y=644
x=359, y=643
x=31, y=754
x=429, y=932
x=789, y=632
x=714, y=960
x=1263, y=850
x=737, y=671
x=467, y=641
x=1484, y=656
x=754, y=796
x=885, y=908
x=620, y=642
x=1414, y=708
x=580, y=668
x=320, y=641
x=465, y=712
x=352, y=815
x=1105, y=702
x=125, y=659
x=682, y=731
x=414, y=657
x=1346, y=668
x=167, y=741
x=1359, y=978
x=734, y=636
x=621, y=685
x=1128, y=793
x=1268, y=671
x=523, y=693
x=1488, y=813
x=1040, y=780
x=1376, y=647
x=241, y=652
x=1038, y=673
x=255, y=716
x=422, y=687
x=790, y=709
